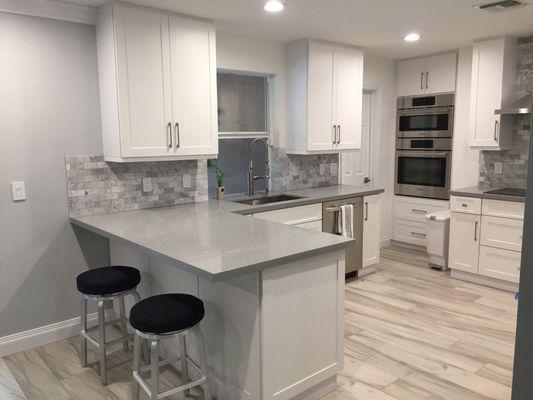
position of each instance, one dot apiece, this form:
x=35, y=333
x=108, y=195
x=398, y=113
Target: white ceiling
x=376, y=25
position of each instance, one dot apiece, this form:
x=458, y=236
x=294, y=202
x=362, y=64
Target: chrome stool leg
x=183, y=357
x=136, y=366
x=102, y=341
x=203, y=360
x=83, y=350
x=123, y=328
x=154, y=369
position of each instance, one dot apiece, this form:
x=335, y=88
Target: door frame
x=375, y=135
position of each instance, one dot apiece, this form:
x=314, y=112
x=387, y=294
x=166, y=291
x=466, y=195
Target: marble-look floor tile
x=9, y=388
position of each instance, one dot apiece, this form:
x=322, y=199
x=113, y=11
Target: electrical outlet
x=147, y=185
x=498, y=167
x=322, y=169
x=186, y=180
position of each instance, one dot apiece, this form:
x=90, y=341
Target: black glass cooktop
x=509, y=192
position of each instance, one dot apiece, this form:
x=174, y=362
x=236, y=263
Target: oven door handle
x=425, y=111
x=416, y=153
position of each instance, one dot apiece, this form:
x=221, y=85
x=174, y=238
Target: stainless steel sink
x=267, y=199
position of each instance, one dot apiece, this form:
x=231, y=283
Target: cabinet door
x=348, y=87
x=499, y=264
x=464, y=242
x=193, y=64
x=486, y=93
x=441, y=73
x=503, y=233
x=320, y=105
x=371, y=229
x=144, y=86
x=411, y=75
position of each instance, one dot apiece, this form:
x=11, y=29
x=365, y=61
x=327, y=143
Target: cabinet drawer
x=409, y=232
x=293, y=215
x=499, y=264
x=315, y=226
x=468, y=205
x=416, y=209
x=505, y=209
x=503, y=233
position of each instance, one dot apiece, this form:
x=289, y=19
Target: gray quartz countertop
x=481, y=192
x=212, y=240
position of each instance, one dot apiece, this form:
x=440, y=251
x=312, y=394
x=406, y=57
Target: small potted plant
x=220, y=174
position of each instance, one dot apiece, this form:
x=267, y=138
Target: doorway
x=358, y=167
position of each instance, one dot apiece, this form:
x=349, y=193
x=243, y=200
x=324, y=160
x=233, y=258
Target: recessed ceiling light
x=411, y=37
x=274, y=6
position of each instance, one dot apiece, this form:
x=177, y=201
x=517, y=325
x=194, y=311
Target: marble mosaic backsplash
x=98, y=187
x=293, y=172
x=514, y=160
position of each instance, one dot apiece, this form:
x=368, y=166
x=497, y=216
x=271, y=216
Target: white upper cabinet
x=157, y=85
x=427, y=75
x=493, y=79
x=325, y=89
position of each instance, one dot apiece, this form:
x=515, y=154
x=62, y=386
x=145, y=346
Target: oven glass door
x=425, y=123
x=422, y=171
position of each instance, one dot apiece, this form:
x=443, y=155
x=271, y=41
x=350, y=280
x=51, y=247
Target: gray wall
x=48, y=109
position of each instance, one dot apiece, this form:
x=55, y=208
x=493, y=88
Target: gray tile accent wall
x=292, y=172
x=514, y=160
x=98, y=187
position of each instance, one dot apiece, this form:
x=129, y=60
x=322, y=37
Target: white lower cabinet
x=499, y=264
x=371, y=229
x=464, y=242
x=409, y=232
x=486, y=238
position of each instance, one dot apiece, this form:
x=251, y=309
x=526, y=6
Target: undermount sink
x=267, y=199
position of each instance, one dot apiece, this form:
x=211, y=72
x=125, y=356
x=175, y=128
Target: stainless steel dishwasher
x=330, y=224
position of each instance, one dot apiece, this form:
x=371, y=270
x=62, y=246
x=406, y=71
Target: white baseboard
x=21, y=341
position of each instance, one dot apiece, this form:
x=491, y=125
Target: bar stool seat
x=167, y=313
x=108, y=280
x=163, y=317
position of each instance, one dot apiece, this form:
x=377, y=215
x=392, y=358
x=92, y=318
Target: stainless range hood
x=521, y=106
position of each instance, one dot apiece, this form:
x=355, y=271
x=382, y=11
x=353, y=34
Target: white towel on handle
x=346, y=221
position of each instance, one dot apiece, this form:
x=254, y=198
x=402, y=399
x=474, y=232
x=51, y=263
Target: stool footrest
x=170, y=392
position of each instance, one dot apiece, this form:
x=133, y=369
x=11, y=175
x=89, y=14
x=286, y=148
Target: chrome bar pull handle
x=177, y=129
x=475, y=231
x=427, y=75
x=366, y=210
x=339, y=138
x=334, y=131
x=169, y=132
x=421, y=81
x=496, y=130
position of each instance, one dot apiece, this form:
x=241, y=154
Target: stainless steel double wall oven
x=424, y=135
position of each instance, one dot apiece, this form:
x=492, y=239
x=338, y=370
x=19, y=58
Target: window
x=242, y=105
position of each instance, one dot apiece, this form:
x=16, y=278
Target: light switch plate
x=498, y=167
x=18, y=191
x=147, y=184
x=186, y=180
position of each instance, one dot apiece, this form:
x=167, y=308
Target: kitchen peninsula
x=273, y=293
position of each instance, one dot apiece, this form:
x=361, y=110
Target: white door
x=464, y=242
x=411, y=74
x=486, y=93
x=193, y=87
x=441, y=73
x=499, y=264
x=356, y=165
x=348, y=91
x=320, y=98
x=371, y=229
x=144, y=85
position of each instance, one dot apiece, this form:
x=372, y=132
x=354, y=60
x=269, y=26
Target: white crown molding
x=51, y=9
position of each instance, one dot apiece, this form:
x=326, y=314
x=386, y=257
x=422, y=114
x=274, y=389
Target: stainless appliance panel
x=427, y=122
x=330, y=216
x=424, y=144
x=423, y=173
x=424, y=101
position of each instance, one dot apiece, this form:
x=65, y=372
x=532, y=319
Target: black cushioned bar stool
x=162, y=317
x=102, y=285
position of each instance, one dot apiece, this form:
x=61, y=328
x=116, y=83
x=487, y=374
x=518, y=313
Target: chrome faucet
x=251, y=176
